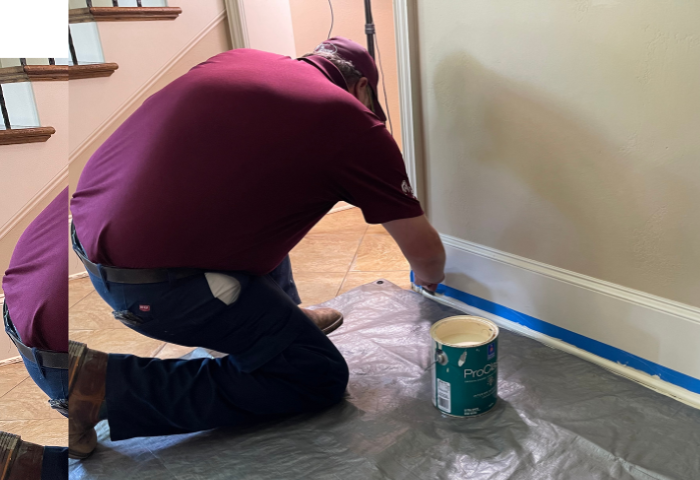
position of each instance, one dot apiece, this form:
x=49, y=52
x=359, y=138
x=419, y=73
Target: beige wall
x=150, y=55
x=568, y=132
x=26, y=169
x=311, y=20
x=268, y=26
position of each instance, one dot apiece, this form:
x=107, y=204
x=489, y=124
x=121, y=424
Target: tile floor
x=340, y=253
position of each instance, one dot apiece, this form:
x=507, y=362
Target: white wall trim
x=341, y=208
x=663, y=335
x=144, y=88
x=238, y=27
x=10, y=361
x=60, y=177
x=647, y=300
x=656, y=384
x=403, y=53
x=76, y=276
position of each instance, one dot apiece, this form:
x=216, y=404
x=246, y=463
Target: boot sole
x=333, y=326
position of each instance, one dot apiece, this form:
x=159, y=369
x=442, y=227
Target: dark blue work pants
x=278, y=363
x=54, y=382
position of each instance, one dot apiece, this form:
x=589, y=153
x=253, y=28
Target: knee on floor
x=331, y=387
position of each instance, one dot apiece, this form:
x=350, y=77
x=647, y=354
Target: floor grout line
x=359, y=244
x=155, y=354
x=79, y=301
x=18, y=384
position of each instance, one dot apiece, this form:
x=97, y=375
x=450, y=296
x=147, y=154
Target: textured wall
x=568, y=131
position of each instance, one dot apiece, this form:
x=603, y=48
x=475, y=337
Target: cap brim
x=378, y=111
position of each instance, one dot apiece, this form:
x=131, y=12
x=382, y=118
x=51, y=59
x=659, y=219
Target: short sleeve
x=372, y=176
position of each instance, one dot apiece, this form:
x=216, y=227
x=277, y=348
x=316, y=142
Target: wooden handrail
x=123, y=14
x=26, y=135
x=13, y=75
x=77, y=72
x=46, y=73
x=49, y=73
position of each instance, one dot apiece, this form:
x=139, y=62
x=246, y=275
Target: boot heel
x=76, y=352
x=9, y=447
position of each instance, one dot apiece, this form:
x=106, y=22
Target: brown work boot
x=19, y=460
x=326, y=319
x=86, y=391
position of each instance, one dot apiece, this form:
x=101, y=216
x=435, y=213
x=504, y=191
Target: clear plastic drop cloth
x=558, y=418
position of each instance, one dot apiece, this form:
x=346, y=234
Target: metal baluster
x=5, y=114
x=115, y=3
x=23, y=62
x=138, y=3
x=52, y=61
x=73, y=55
x=88, y=3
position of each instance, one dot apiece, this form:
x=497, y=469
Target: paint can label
x=443, y=396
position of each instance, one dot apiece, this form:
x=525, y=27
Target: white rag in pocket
x=224, y=287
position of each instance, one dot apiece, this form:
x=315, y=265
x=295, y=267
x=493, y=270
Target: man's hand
x=422, y=247
x=427, y=285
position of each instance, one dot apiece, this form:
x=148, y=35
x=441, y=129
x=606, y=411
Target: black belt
x=45, y=358
x=134, y=276
x=131, y=276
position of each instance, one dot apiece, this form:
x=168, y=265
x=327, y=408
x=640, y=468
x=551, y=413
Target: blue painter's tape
x=584, y=343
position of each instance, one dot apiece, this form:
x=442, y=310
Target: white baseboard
x=649, y=339
x=76, y=276
x=341, y=208
x=10, y=361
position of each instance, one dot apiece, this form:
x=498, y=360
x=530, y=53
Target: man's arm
x=422, y=247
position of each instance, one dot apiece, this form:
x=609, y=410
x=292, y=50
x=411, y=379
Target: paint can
x=465, y=377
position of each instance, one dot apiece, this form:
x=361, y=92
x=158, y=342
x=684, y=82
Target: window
x=19, y=119
x=23, y=62
x=84, y=44
x=16, y=95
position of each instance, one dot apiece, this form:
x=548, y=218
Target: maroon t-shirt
x=36, y=284
x=230, y=165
